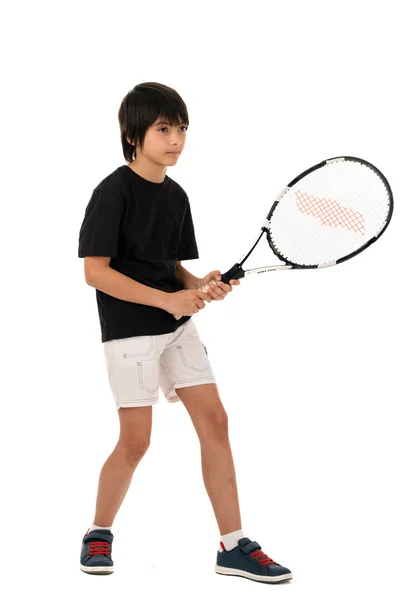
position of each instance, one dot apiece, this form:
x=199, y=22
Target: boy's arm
x=120, y=286
x=189, y=281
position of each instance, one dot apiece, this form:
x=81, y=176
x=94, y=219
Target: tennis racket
x=326, y=215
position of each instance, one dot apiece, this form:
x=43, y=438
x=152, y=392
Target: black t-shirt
x=145, y=228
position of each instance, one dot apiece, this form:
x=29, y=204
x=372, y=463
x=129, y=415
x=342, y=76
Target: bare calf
x=117, y=472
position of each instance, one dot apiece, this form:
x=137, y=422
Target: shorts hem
x=171, y=398
x=134, y=404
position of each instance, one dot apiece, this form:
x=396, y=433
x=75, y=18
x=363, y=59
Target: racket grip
x=202, y=289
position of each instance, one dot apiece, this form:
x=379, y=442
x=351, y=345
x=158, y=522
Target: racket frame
x=237, y=272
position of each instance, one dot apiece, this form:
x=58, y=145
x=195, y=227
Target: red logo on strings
x=330, y=212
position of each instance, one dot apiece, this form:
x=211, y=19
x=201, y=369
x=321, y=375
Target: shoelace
x=99, y=547
x=262, y=558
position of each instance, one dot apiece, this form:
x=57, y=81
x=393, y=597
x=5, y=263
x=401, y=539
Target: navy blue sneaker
x=248, y=560
x=95, y=554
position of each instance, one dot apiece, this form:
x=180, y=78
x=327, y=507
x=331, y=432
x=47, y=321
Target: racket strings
x=330, y=212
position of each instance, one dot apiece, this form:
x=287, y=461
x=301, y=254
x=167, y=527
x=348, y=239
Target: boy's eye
x=182, y=127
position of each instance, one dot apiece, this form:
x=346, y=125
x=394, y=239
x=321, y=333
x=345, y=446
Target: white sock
x=93, y=526
x=230, y=540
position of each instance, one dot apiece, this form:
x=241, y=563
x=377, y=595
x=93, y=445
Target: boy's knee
x=134, y=448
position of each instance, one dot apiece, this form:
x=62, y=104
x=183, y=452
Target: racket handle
x=202, y=289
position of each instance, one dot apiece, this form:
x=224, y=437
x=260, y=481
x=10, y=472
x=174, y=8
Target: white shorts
x=138, y=366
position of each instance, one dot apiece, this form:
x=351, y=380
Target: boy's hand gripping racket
x=326, y=215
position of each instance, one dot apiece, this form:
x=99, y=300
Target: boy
x=136, y=229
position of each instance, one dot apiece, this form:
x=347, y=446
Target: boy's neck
x=149, y=171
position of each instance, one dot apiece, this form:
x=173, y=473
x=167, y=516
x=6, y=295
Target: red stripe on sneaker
x=222, y=545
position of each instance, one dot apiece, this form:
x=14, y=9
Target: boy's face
x=162, y=140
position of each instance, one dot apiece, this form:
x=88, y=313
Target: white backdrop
x=309, y=364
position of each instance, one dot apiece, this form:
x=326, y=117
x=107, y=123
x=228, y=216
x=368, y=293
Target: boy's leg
x=211, y=423
x=117, y=471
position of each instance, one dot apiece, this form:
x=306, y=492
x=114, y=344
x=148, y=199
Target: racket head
x=330, y=213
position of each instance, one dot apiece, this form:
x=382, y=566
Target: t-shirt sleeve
x=187, y=246
x=99, y=231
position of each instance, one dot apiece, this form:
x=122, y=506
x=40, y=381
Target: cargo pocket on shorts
x=135, y=356
x=193, y=357
x=148, y=373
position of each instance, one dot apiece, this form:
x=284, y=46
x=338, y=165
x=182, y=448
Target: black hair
x=140, y=109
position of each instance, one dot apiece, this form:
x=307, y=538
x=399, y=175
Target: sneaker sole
x=97, y=570
x=264, y=578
